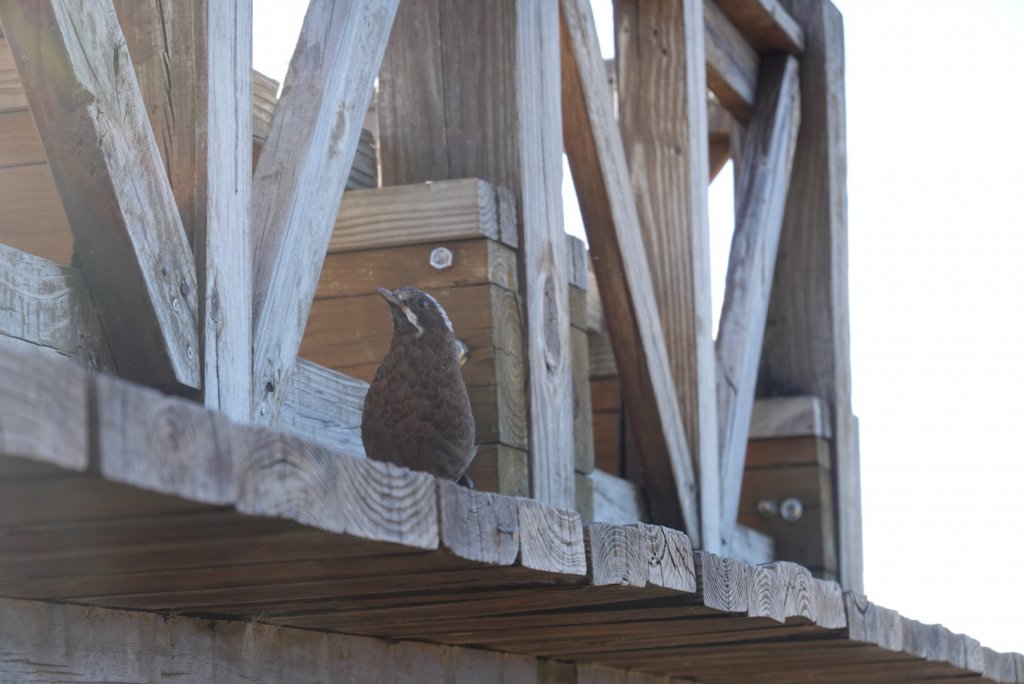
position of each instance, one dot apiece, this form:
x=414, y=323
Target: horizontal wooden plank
x=800, y=416
x=766, y=24
x=425, y=212
x=732, y=64
x=324, y=406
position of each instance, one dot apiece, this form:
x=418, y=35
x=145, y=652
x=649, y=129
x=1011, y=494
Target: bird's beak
x=390, y=297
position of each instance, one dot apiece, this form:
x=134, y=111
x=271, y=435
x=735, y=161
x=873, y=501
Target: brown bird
x=416, y=412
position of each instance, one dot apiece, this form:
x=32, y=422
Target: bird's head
x=414, y=312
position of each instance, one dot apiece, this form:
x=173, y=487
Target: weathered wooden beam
x=751, y=546
x=300, y=178
x=324, y=406
x=82, y=89
x=801, y=416
x=807, y=337
x=194, y=65
x=766, y=24
x=764, y=169
x=664, y=121
x=48, y=307
x=470, y=89
x=732, y=64
x=601, y=177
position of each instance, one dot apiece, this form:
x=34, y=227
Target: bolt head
x=791, y=509
x=441, y=258
x=767, y=508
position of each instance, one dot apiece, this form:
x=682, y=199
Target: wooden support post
x=807, y=338
x=763, y=170
x=86, y=102
x=765, y=23
x=663, y=114
x=471, y=89
x=601, y=176
x=194, y=63
x=300, y=178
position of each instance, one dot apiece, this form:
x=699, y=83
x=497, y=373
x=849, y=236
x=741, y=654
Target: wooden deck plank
x=115, y=192
x=601, y=176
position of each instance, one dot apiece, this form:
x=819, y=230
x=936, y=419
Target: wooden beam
x=766, y=24
x=663, y=116
x=324, y=406
x=732, y=64
x=807, y=337
x=301, y=175
x=115, y=192
x=470, y=89
x=48, y=307
x=601, y=176
x=194, y=65
x=764, y=169
x=802, y=416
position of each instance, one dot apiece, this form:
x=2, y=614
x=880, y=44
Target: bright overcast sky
x=936, y=148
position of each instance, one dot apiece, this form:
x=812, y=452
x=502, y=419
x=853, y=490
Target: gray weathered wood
x=86, y=102
x=663, y=116
x=478, y=526
x=44, y=306
x=43, y=409
x=324, y=406
x=470, y=89
x=732, y=64
x=601, y=177
x=764, y=170
x=550, y=539
x=766, y=24
x=807, y=337
x=751, y=546
x=194, y=65
x=301, y=175
x=423, y=212
x=802, y=416
x=617, y=500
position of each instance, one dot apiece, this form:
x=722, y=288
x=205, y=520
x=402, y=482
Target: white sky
x=935, y=117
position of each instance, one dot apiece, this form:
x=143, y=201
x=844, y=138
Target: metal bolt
x=766, y=508
x=791, y=509
x=441, y=258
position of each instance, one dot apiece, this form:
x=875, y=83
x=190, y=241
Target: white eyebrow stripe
x=411, y=315
x=444, y=314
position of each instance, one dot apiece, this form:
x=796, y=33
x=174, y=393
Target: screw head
x=441, y=258
x=791, y=509
x=767, y=508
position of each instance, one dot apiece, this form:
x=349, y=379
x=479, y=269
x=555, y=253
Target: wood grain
x=601, y=177
x=43, y=411
x=766, y=24
x=663, y=116
x=424, y=212
x=324, y=406
x=194, y=65
x=469, y=90
x=48, y=307
x=300, y=176
x=732, y=64
x=478, y=526
x=800, y=416
x=764, y=168
x=551, y=539
x=105, y=162
x=807, y=337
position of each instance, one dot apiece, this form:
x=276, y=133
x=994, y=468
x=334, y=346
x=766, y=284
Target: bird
x=416, y=412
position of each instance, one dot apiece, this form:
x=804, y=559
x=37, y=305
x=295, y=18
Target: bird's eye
x=422, y=303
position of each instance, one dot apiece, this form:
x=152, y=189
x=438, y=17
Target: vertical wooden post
x=473, y=89
x=663, y=113
x=807, y=338
x=194, y=65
